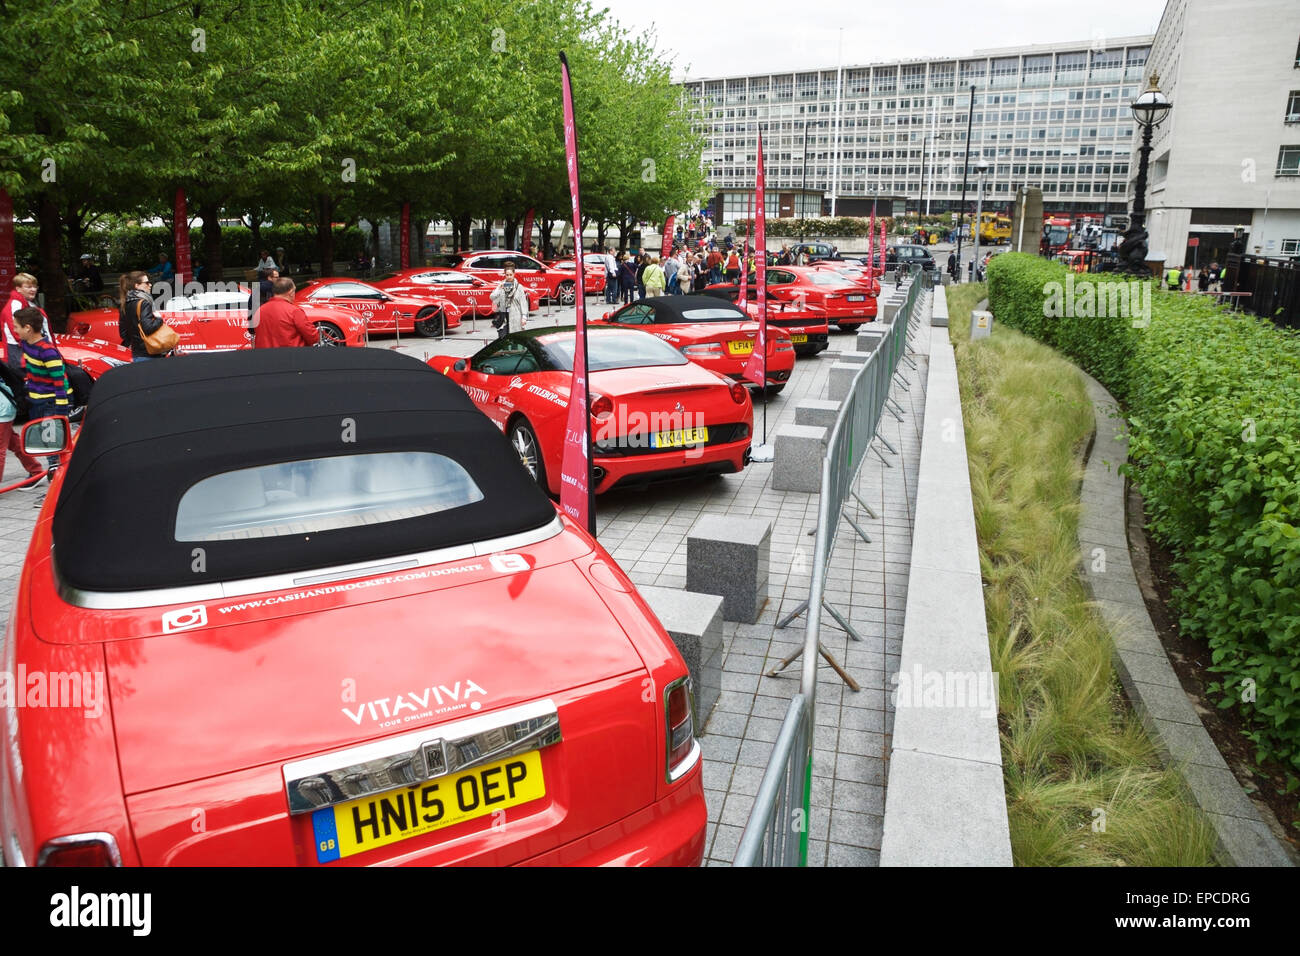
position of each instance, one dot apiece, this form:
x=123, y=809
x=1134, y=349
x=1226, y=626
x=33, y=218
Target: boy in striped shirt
x=47, y=380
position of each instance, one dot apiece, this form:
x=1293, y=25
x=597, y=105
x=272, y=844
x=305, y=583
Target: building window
x=1288, y=161
x=1291, y=247
x=1293, y=107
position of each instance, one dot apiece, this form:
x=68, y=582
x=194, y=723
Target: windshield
x=610, y=348
x=826, y=278
x=714, y=315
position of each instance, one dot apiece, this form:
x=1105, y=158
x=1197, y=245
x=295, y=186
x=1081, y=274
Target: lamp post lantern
x=1149, y=110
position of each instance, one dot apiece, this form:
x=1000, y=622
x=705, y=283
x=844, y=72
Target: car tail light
x=81, y=849
x=707, y=350
x=679, y=720
x=601, y=407
x=738, y=393
x=784, y=345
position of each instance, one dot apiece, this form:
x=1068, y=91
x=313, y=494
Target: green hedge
x=1213, y=403
x=136, y=247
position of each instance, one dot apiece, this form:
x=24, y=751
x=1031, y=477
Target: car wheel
x=331, y=336
x=429, y=323
x=567, y=295
x=529, y=449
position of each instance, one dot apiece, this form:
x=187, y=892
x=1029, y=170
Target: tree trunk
x=544, y=245
x=577, y=240
x=464, y=224
x=602, y=234
x=325, y=234
x=53, y=280
x=213, y=266
x=512, y=233
x=622, y=233
x=75, y=225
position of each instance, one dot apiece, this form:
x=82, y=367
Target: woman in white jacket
x=510, y=300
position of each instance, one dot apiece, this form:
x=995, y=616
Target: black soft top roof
x=157, y=428
x=670, y=308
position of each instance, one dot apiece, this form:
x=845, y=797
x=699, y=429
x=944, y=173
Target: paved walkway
x=646, y=532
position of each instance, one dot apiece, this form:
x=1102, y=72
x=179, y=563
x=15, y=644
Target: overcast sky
x=707, y=38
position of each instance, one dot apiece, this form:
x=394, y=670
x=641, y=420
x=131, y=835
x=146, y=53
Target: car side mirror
x=605, y=317
x=460, y=365
x=46, y=436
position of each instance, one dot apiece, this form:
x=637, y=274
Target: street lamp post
x=961, y=215
x=1149, y=110
x=981, y=167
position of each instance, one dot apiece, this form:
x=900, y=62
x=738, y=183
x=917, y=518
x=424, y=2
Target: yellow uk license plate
x=740, y=348
x=799, y=339
x=385, y=818
x=679, y=438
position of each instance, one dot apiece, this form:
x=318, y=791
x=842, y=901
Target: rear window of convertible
x=322, y=494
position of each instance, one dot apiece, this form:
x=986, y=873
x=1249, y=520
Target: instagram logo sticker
x=182, y=619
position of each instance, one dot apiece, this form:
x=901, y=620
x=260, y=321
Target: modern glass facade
x=1054, y=116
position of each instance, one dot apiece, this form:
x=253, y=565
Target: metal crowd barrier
x=776, y=833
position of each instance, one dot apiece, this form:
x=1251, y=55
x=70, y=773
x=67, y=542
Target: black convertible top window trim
x=221, y=590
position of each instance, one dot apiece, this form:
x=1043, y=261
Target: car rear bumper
x=723, y=459
x=669, y=832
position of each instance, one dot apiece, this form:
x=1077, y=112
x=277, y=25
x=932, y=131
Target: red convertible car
x=844, y=302
x=384, y=650
x=470, y=294
x=654, y=415
x=711, y=333
x=554, y=284
x=426, y=314
x=217, y=320
x=594, y=275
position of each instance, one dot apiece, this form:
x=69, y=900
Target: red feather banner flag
x=756, y=367
x=527, y=246
x=576, y=493
x=181, y=239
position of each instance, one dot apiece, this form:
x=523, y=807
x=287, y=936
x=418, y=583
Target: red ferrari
x=845, y=303
x=805, y=324
x=554, y=284
x=217, y=320
x=426, y=314
x=654, y=415
x=470, y=294
x=307, y=650
x=711, y=333
x=593, y=276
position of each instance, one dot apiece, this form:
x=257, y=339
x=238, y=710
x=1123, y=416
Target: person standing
x=653, y=278
x=713, y=262
x=1203, y=280
x=163, y=269
x=21, y=296
x=510, y=302
x=626, y=278
x=611, y=278
x=266, y=263
x=136, y=314
x=670, y=274
x=733, y=267
x=86, y=277
x=280, y=322
x=46, y=378
x=642, y=261
x=952, y=264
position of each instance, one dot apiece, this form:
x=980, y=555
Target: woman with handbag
x=510, y=303
x=143, y=332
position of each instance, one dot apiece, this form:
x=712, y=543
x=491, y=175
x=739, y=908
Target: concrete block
x=840, y=380
x=1248, y=842
x=939, y=308
x=817, y=413
x=799, y=453
x=889, y=308
x=870, y=339
x=694, y=622
x=854, y=358
x=731, y=557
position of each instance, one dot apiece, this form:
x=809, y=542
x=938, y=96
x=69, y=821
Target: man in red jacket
x=280, y=323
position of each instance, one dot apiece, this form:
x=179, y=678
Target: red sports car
x=554, y=284
x=306, y=651
x=468, y=293
x=845, y=304
x=594, y=275
x=217, y=320
x=654, y=414
x=858, y=274
x=426, y=314
x=805, y=324
x=710, y=332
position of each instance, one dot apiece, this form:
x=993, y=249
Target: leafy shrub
x=1213, y=401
